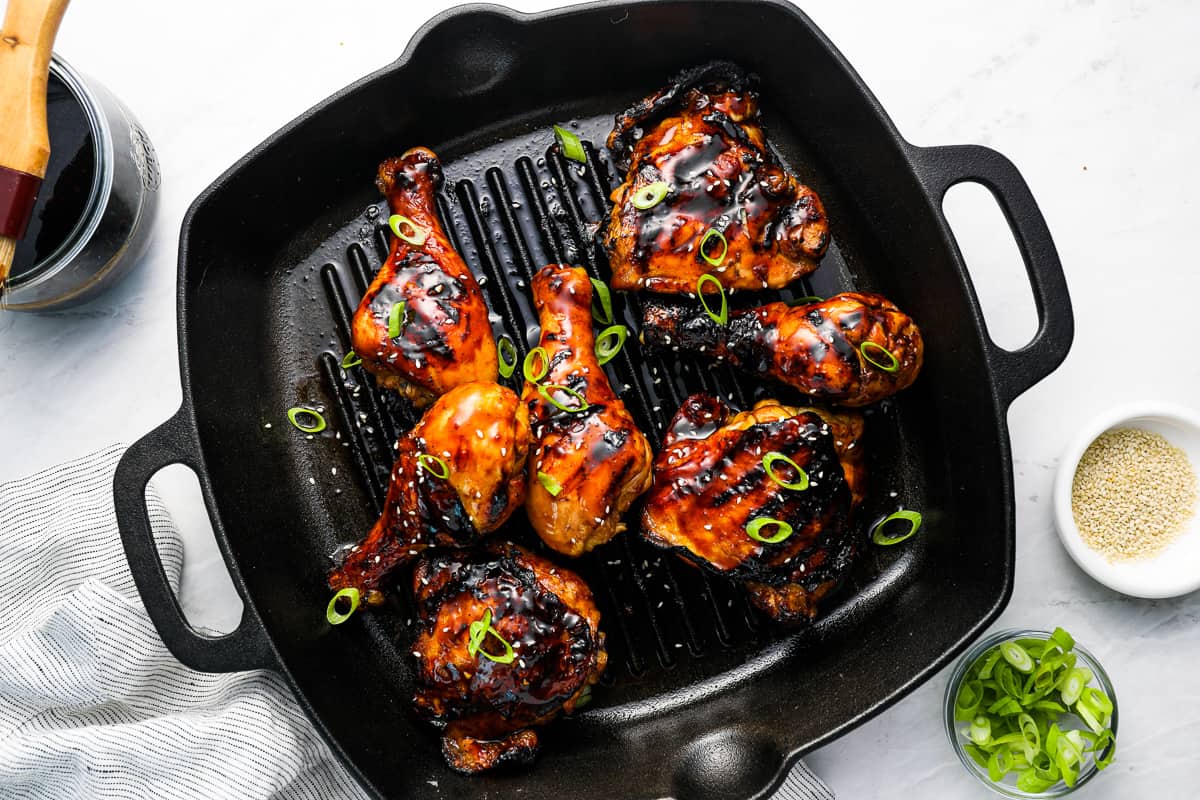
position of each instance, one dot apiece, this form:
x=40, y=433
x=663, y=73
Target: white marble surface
x=1098, y=103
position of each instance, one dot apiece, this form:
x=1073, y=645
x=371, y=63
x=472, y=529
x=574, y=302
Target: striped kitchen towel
x=93, y=706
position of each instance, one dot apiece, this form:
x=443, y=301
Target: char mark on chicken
x=726, y=207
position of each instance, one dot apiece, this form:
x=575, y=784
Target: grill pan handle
x=1013, y=371
x=175, y=442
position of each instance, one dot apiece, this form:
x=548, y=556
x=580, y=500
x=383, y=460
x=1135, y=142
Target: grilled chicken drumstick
x=703, y=194
x=714, y=500
x=422, y=328
x=507, y=641
x=459, y=474
x=589, y=461
x=852, y=349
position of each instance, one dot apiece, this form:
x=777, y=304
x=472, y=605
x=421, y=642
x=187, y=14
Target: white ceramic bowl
x=1175, y=570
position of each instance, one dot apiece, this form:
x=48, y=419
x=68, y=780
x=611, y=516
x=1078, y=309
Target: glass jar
x=94, y=211
x=1084, y=658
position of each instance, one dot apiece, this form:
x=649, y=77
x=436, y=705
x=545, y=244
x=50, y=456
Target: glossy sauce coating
x=598, y=456
x=702, y=136
x=445, y=336
x=481, y=432
x=544, y=612
x=814, y=348
x=710, y=482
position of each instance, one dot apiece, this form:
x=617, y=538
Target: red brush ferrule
x=18, y=192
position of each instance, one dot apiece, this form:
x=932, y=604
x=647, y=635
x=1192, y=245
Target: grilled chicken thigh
x=851, y=349
x=730, y=208
x=589, y=460
x=422, y=328
x=477, y=437
x=711, y=484
x=507, y=641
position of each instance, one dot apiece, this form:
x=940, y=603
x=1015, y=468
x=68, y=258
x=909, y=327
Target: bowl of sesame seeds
x=1126, y=500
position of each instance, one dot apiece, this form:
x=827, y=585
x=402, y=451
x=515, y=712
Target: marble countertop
x=1097, y=103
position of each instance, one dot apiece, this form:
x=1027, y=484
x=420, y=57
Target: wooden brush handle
x=25, y=45
x=26, y=42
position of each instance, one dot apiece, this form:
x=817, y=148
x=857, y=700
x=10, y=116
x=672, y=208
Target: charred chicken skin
x=589, y=460
x=459, y=474
x=852, y=349
x=506, y=641
x=711, y=483
x=422, y=328
x=730, y=209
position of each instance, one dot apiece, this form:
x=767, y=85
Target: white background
x=1098, y=103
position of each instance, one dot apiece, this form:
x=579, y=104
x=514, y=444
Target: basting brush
x=26, y=42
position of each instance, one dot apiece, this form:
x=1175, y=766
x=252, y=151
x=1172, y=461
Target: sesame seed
x=1133, y=493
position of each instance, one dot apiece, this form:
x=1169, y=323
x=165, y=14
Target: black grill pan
x=702, y=700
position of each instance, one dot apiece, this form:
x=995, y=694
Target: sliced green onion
x=1072, y=687
x=768, y=462
x=417, y=235
x=1008, y=690
x=609, y=342
x=1106, y=745
x=980, y=731
x=1063, y=639
x=317, y=426
x=978, y=755
x=718, y=317
x=713, y=233
x=569, y=145
x=351, y=359
x=604, y=314
x=545, y=391
x=549, y=484
x=998, y=765
x=531, y=359
x=351, y=595
x=913, y=518
x=988, y=664
x=479, y=630
x=893, y=363
x=427, y=462
x=1005, y=707
x=1015, y=654
x=806, y=300
x=506, y=351
x=968, y=701
x=650, y=195
x=1096, y=699
x=1029, y=731
x=395, y=319
x=755, y=526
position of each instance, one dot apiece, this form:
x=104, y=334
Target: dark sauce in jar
x=68, y=182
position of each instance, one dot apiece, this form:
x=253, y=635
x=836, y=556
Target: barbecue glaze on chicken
x=821, y=349
x=596, y=455
x=710, y=483
x=444, y=336
x=703, y=138
x=480, y=432
x=486, y=707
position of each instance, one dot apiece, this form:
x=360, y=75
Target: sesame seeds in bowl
x=1126, y=500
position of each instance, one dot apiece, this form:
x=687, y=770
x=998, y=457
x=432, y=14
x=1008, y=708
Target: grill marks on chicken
x=710, y=483
x=702, y=136
x=815, y=348
x=487, y=708
x=445, y=338
x=597, y=455
x=480, y=431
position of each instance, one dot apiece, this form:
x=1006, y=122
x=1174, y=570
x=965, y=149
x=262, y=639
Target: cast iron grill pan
x=702, y=699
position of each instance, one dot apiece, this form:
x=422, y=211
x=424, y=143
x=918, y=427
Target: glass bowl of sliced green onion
x=1031, y=713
